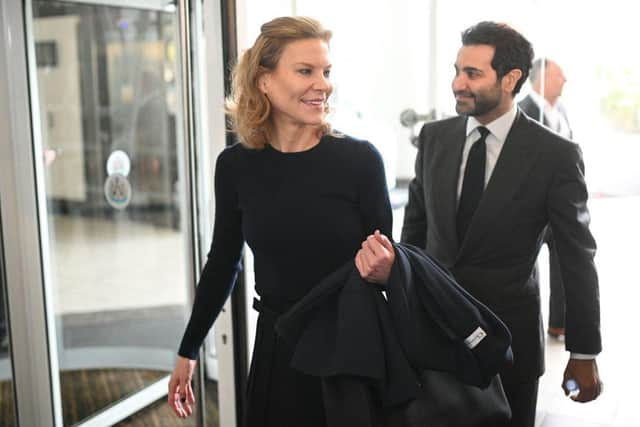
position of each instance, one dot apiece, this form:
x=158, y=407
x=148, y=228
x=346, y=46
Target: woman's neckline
x=297, y=153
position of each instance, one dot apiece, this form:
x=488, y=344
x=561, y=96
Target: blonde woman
x=304, y=198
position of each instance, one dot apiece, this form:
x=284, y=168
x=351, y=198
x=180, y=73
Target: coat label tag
x=474, y=339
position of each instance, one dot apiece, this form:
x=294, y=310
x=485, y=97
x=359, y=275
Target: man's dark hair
x=512, y=50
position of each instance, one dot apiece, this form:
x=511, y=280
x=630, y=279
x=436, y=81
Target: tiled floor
x=100, y=265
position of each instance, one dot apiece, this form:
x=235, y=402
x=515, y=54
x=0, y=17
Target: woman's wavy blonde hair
x=249, y=108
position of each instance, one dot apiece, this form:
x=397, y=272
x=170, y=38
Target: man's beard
x=482, y=103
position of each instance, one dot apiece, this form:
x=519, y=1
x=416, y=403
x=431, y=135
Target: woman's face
x=299, y=87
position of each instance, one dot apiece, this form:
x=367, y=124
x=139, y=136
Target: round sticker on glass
x=117, y=190
x=118, y=163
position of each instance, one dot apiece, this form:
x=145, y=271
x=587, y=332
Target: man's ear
x=510, y=80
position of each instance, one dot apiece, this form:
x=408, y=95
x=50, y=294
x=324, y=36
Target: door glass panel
x=110, y=112
x=7, y=406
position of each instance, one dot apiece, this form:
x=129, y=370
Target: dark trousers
x=556, y=287
x=522, y=398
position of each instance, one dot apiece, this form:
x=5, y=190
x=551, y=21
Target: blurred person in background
x=543, y=104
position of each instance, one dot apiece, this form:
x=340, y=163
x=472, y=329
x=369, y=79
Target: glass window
x=111, y=119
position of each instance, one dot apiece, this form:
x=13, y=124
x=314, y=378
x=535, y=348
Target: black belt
x=264, y=309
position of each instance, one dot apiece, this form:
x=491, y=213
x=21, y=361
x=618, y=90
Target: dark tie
x=473, y=183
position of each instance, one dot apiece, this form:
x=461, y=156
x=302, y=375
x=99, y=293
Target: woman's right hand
x=375, y=259
x=180, y=392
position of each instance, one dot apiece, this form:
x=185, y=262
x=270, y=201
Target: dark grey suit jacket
x=538, y=180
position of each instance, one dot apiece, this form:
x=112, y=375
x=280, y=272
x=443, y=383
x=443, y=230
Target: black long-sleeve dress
x=303, y=215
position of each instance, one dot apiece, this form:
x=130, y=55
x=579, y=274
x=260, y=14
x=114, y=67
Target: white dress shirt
x=498, y=131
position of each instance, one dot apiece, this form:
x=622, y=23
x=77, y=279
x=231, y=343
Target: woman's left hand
x=180, y=395
x=375, y=258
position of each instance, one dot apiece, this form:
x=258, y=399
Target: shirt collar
x=500, y=127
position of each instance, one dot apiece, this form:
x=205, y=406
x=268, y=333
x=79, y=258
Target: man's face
x=554, y=81
x=475, y=86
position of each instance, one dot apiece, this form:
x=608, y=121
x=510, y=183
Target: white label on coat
x=474, y=339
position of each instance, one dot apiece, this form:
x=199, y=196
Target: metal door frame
x=37, y=390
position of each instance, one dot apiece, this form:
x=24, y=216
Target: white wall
x=380, y=54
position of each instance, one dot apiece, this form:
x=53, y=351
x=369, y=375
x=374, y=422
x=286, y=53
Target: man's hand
x=375, y=259
x=585, y=373
x=180, y=396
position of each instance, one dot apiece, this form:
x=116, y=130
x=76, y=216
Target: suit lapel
x=446, y=163
x=514, y=163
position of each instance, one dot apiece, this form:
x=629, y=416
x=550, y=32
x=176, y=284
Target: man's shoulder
x=447, y=122
x=437, y=127
x=544, y=138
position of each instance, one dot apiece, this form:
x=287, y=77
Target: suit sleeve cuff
x=582, y=356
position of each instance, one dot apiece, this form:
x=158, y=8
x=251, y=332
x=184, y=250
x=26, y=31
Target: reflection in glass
x=110, y=119
x=7, y=407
